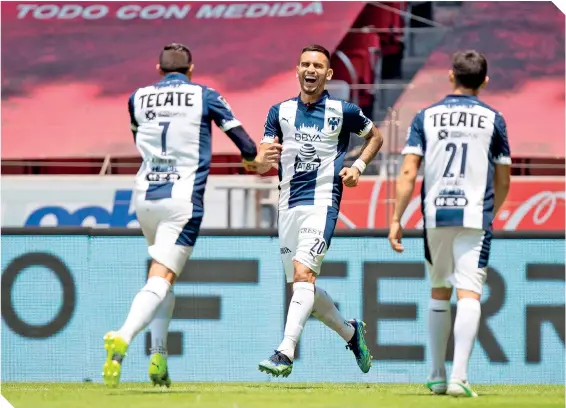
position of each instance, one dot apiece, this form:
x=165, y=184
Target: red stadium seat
x=362, y=50
x=355, y=41
x=362, y=61
x=356, y=69
x=345, y=71
x=383, y=18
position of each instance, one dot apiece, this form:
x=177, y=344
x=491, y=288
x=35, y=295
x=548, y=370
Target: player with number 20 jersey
x=314, y=130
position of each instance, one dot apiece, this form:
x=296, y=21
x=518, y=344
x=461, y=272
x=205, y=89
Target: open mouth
x=309, y=79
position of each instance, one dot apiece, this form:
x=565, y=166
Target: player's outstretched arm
x=267, y=157
x=253, y=160
x=243, y=142
x=221, y=113
x=269, y=147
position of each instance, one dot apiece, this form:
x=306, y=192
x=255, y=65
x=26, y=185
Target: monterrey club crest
x=333, y=123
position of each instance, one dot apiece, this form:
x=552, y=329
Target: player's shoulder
x=348, y=107
x=287, y=103
x=490, y=108
x=133, y=94
x=143, y=90
x=208, y=90
x=438, y=104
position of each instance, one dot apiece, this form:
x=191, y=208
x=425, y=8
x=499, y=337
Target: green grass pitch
x=246, y=395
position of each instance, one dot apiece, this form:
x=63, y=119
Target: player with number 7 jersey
x=171, y=123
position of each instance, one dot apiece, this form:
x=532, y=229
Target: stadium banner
x=261, y=40
x=534, y=203
x=521, y=85
x=62, y=290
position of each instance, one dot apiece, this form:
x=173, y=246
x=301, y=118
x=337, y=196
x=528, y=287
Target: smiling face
x=313, y=72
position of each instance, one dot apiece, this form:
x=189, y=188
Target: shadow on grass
x=209, y=389
x=154, y=392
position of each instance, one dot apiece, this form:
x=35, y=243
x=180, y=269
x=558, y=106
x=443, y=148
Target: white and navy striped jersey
x=315, y=139
x=171, y=122
x=461, y=140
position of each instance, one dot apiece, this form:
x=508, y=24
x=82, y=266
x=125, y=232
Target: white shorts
x=304, y=236
x=171, y=228
x=457, y=257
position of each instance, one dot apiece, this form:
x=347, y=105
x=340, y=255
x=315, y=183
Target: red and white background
x=89, y=57
x=534, y=203
x=82, y=60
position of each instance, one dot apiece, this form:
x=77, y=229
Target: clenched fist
x=350, y=176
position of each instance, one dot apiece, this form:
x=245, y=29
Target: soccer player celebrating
x=466, y=179
x=171, y=124
x=314, y=130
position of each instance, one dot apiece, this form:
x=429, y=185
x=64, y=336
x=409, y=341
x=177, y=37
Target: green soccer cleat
x=158, y=373
x=278, y=364
x=437, y=386
x=116, y=348
x=359, y=347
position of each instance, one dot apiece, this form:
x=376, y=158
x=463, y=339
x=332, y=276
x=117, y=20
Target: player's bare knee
x=160, y=270
x=463, y=294
x=441, y=293
x=303, y=273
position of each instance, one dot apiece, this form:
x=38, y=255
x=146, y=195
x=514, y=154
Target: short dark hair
x=470, y=69
x=316, y=48
x=175, y=57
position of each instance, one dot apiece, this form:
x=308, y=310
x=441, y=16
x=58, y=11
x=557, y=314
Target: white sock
x=325, y=310
x=159, y=326
x=144, y=307
x=438, y=333
x=465, y=330
x=300, y=309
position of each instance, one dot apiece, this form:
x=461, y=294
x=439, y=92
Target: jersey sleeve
x=500, y=144
x=131, y=109
x=220, y=111
x=355, y=121
x=416, y=141
x=272, y=127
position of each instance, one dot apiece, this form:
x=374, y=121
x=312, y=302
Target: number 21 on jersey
x=453, y=150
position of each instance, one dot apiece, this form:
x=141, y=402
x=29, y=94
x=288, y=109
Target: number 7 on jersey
x=165, y=126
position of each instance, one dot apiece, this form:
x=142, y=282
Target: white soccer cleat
x=458, y=388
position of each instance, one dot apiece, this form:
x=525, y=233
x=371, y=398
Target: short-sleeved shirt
x=460, y=139
x=315, y=139
x=171, y=122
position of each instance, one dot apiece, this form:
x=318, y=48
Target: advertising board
x=534, y=203
x=61, y=293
